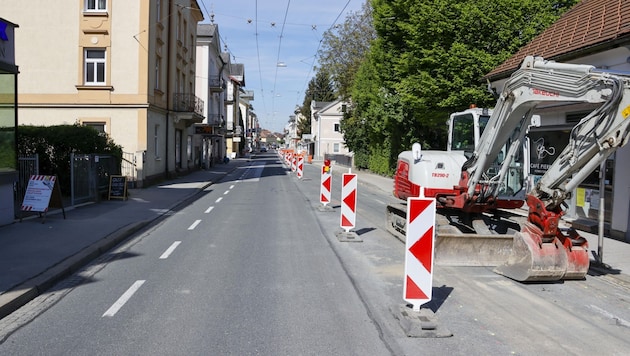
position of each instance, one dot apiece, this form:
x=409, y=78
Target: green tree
x=429, y=57
x=344, y=48
x=54, y=144
x=319, y=88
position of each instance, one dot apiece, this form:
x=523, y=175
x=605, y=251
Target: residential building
x=126, y=68
x=326, y=128
x=234, y=115
x=250, y=121
x=595, y=32
x=8, y=120
x=210, y=85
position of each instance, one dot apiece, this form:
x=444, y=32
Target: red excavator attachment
x=543, y=252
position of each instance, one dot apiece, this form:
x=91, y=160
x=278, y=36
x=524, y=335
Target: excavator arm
x=536, y=253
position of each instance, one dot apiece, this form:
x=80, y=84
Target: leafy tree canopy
x=428, y=57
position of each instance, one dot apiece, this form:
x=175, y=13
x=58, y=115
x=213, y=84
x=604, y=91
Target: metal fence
x=90, y=176
x=128, y=168
x=27, y=166
x=344, y=160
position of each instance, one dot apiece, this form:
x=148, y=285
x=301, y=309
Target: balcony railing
x=215, y=83
x=215, y=120
x=187, y=103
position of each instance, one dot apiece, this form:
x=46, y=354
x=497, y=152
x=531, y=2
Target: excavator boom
x=541, y=250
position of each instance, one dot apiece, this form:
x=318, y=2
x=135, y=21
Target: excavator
x=474, y=187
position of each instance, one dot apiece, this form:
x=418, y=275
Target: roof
x=206, y=29
x=591, y=25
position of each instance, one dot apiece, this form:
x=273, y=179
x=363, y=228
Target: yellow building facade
x=126, y=68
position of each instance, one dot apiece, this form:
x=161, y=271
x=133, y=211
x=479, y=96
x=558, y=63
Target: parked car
x=263, y=148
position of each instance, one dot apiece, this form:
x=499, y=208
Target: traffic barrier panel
x=348, y=201
x=419, y=251
x=300, y=166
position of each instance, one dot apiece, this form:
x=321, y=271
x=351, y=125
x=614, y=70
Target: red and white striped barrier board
x=348, y=201
x=300, y=166
x=419, y=249
x=324, y=188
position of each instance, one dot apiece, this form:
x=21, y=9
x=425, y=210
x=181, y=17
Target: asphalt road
x=253, y=267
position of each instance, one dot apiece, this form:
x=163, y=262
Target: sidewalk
x=35, y=255
x=615, y=253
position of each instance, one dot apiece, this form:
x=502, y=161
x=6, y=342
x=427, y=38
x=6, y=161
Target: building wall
x=137, y=93
x=327, y=137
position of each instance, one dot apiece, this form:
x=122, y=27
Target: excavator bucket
x=452, y=249
x=534, y=260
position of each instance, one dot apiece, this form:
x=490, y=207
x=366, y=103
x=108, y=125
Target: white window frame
x=95, y=5
x=90, y=65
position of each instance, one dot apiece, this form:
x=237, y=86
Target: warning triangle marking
x=417, y=207
x=422, y=249
x=351, y=200
x=327, y=183
x=347, y=178
x=324, y=199
x=345, y=222
x=413, y=291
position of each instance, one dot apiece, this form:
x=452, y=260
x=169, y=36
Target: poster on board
x=38, y=192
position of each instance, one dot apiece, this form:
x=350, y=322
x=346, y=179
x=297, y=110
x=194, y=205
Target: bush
x=54, y=144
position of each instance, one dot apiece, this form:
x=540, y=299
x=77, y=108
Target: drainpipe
x=168, y=84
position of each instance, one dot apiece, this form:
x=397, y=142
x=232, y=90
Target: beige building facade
x=126, y=68
x=326, y=128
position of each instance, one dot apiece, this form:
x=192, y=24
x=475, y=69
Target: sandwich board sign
x=39, y=192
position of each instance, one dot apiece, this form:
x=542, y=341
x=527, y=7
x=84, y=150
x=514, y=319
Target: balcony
x=215, y=84
x=187, y=103
x=215, y=120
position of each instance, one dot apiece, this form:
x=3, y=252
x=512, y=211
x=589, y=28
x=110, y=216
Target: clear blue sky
x=262, y=33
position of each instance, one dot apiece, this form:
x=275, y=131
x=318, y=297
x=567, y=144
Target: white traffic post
x=419, y=251
x=326, y=182
x=348, y=201
x=300, y=166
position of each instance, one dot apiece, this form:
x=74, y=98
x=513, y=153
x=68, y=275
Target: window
x=158, y=71
x=98, y=126
x=335, y=148
x=95, y=5
x=94, y=67
x=156, y=141
x=336, y=127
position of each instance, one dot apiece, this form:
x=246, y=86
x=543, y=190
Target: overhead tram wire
x=284, y=21
x=317, y=50
x=262, y=90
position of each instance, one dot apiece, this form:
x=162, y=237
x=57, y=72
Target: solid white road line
x=194, y=225
x=123, y=299
x=170, y=250
x=209, y=210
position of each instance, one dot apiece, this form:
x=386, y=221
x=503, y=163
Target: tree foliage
x=320, y=88
x=426, y=61
x=344, y=48
x=54, y=144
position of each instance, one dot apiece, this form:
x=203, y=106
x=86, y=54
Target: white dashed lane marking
x=170, y=250
x=123, y=299
x=194, y=225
